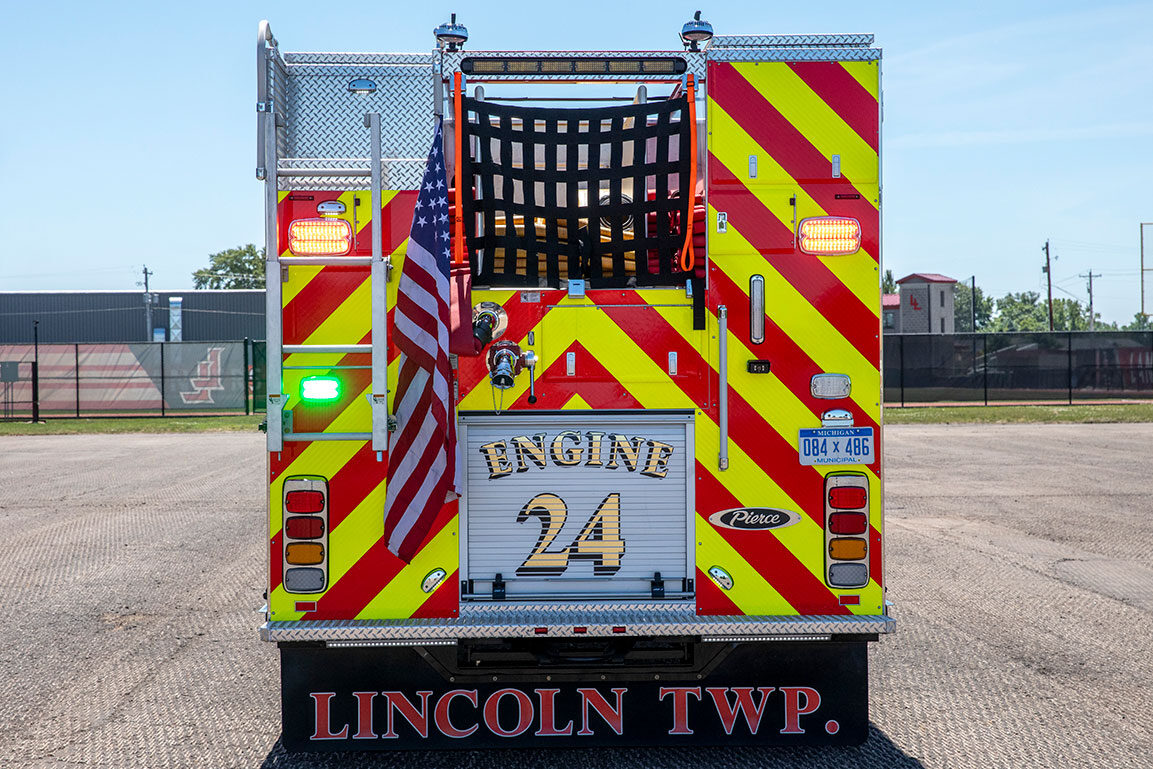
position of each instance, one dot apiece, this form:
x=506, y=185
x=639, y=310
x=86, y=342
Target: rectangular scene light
x=320, y=388
x=319, y=237
x=829, y=235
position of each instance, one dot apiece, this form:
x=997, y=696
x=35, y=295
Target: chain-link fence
x=132, y=379
x=990, y=368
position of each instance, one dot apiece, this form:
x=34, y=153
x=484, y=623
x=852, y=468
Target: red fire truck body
x=666, y=399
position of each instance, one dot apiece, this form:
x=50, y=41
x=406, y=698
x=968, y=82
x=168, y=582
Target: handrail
x=723, y=390
x=378, y=282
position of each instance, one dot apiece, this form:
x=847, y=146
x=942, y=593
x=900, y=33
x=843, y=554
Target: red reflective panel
x=848, y=523
x=847, y=497
x=304, y=527
x=304, y=501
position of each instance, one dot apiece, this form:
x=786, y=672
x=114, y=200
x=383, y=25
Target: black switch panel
x=758, y=367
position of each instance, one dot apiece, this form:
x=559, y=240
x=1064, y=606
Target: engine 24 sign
x=566, y=505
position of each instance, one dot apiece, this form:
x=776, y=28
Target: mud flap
x=397, y=698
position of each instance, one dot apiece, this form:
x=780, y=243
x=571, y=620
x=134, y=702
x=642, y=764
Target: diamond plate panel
x=396, y=174
x=324, y=120
x=795, y=54
x=789, y=41
x=522, y=621
x=695, y=63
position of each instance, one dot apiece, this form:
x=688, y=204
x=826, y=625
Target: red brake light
x=829, y=235
x=306, y=527
x=847, y=497
x=304, y=501
x=848, y=523
x=319, y=237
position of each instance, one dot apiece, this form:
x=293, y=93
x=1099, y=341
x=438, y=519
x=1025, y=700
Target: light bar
x=575, y=66
x=320, y=388
x=319, y=237
x=829, y=235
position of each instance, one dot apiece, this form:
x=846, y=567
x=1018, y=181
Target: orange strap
x=688, y=258
x=458, y=212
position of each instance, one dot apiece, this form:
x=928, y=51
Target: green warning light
x=320, y=388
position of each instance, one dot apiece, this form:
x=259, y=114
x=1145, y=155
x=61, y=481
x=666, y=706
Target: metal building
x=124, y=316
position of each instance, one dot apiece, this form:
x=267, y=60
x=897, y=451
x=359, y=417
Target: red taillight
x=319, y=237
x=305, y=527
x=304, y=501
x=847, y=497
x=848, y=523
x=829, y=235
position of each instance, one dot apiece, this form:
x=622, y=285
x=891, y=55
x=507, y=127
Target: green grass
x=229, y=424
x=1080, y=413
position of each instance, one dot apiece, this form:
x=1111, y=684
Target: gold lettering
x=532, y=449
x=628, y=448
x=595, y=457
x=496, y=456
x=657, y=463
x=570, y=456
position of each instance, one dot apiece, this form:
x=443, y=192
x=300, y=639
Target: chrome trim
x=790, y=41
x=522, y=619
x=757, y=309
x=794, y=54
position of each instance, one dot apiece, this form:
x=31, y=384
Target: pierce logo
x=754, y=518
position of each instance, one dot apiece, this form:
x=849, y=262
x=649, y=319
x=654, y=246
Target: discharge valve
x=506, y=361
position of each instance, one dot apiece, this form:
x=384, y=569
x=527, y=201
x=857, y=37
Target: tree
x=1140, y=323
x=233, y=268
x=1020, y=312
x=961, y=309
x=888, y=285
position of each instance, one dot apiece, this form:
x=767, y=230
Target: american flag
x=422, y=457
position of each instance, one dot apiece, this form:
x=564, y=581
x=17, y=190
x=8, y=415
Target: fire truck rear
x=664, y=392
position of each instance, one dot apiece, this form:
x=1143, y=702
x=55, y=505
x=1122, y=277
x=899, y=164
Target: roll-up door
x=577, y=505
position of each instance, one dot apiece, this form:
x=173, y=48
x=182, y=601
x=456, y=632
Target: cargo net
x=556, y=194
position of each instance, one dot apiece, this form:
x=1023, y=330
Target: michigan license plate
x=836, y=446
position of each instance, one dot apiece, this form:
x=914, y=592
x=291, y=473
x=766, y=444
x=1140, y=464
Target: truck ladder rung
x=347, y=261
x=343, y=349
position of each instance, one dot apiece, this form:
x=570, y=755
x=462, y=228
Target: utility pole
x=147, y=306
x=1090, y=276
x=1049, y=275
x=973, y=304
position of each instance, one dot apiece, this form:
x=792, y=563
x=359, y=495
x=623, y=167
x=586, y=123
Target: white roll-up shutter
x=542, y=497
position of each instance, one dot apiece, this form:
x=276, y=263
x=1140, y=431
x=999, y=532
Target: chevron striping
x=751, y=592
x=791, y=363
x=806, y=592
x=817, y=130
x=868, y=74
x=842, y=94
x=811, y=329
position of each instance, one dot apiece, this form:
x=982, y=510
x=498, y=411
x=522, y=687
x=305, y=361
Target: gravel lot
x=1018, y=559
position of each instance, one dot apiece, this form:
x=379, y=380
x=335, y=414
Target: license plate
x=836, y=446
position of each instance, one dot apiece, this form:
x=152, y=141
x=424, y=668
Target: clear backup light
x=319, y=237
x=829, y=235
x=830, y=386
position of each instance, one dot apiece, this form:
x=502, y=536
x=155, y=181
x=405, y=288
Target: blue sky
x=128, y=133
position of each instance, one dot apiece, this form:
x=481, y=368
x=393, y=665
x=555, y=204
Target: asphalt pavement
x=1018, y=559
